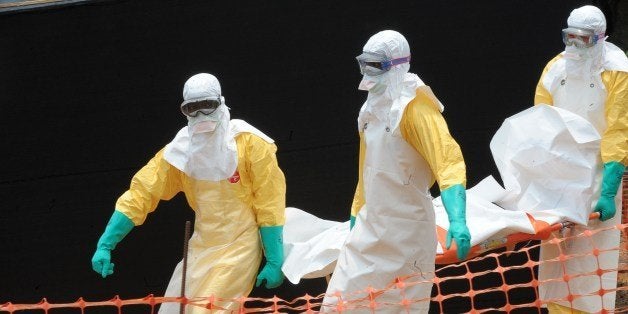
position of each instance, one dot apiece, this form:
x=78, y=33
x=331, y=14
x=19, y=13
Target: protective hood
x=603, y=56
x=585, y=62
x=398, y=86
x=588, y=17
x=205, y=149
x=384, y=88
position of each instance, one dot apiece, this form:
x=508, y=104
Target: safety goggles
x=206, y=106
x=374, y=64
x=580, y=37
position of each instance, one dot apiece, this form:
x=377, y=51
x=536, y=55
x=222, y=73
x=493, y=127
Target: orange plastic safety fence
x=624, y=215
x=479, y=285
x=304, y=304
x=476, y=287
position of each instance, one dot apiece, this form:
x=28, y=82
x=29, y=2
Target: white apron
x=394, y=234
x=585, y=97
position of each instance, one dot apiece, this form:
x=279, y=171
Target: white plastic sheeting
x=485, y=220
x=311, y=245
x=548, y=160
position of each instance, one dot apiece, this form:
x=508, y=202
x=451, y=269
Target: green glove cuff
x=351, y=222
x=611, y=178
x=272, y=239
x=455, y=199
x=118, y=227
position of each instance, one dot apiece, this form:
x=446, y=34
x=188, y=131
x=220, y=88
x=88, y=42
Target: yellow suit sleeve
x=358, y=198
x=268, y=181
x=424, y=127
x=542, y=95
x=614, y=145
x=156, y=181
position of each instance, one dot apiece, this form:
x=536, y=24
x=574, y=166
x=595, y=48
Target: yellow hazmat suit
x=225, y=250
x=424, y=128
x=613, y=127
x=404, y=146
x=614, y=103
x=593, y=83
x=400, y=215
x=229, y=174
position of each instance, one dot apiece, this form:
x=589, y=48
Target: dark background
x=89, y=93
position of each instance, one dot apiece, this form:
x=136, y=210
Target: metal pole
x=186, y=239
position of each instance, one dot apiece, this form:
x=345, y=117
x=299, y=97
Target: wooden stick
x=186, y=239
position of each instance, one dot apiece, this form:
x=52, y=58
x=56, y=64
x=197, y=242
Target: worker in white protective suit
x=229, y=174
x=404, y=146
x=589, y=78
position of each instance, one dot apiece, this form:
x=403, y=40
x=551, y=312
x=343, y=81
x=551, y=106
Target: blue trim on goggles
x=580, y=37
x=378, y=67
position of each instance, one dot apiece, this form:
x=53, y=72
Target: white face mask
x=576, y=53
x=372, y=86
x=584, y=62
x=204, y=127
x=204, y=123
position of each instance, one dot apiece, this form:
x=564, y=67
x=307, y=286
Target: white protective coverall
x=233, y=183
x=404, y=146
x=593, y=83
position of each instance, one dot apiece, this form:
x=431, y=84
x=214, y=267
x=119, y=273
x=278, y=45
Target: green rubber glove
x=611, y=177
x=119, y=226
x=455, y=201
x=351, y=222
x=271, y=275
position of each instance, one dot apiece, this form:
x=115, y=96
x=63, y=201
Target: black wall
x=89, y=93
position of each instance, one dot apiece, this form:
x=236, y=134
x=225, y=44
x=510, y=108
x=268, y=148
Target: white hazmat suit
x=592, y=82
x=405, y=145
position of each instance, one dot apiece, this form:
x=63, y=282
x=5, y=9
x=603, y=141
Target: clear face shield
x=374, y=64
x=206, y=106
x=580, y=37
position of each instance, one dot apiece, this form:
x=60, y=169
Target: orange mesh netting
x=504, y=281
x=483, y=284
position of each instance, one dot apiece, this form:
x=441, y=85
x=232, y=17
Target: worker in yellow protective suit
x=589, y=78
x=229, y=174
x=405, y=146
